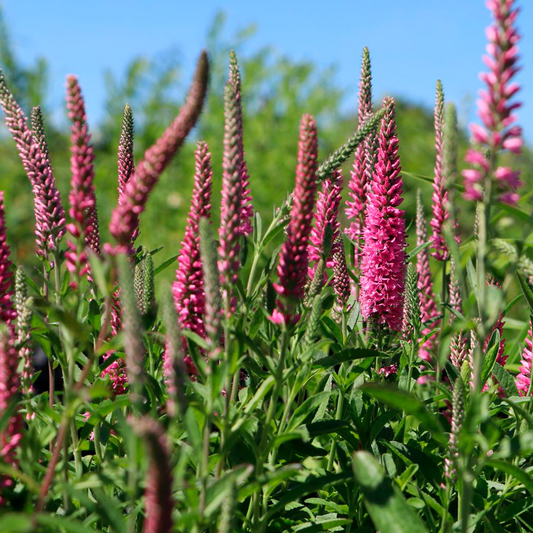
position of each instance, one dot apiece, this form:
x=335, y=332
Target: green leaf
x=505, y=380
x=526, y=289
x=165, y=264
x=387, y=507
x=520, y=475
x=410, y=404
x=489, y=360
x=15, y=523
x=346, y=355
x=259, y=395
x=307, y=408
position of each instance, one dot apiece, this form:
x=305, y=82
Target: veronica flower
x=188, y=289
x=83, y=197
x=383, y=262
x=125, y=217
x=293, y=259
x=523, y=379
x=158, y=493
x=440, y=193
x=7, y=310
x=327, y=213
x=11, y=434
x=49, y=212
x=246, y=199
x=428, y=306
x=364, y=162
x=496, y=109
x=232, y=191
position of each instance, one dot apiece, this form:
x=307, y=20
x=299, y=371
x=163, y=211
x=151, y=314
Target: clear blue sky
x=411, y=42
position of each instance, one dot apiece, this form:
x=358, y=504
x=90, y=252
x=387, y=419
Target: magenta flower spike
x=294, y=260
x=188, y=289
x=158, y=492
x=125, y=218
x=428, y=305
x=496, y=109
x=231, y=206
x=82, y=169
x=49, y=212
x=383, y=260
x=11, y=435
x=327, y=212
x=523, y=379
x=247, y=212
x=364, y=163
x=7, y=309
x=440, y=194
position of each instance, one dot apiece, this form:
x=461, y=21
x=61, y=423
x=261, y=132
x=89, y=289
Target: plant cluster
x=341, y=381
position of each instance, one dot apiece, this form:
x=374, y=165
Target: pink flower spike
x=495, y=107
x=11, y=435
x=440, y=194
x=383, y=263
x=293, y=258
x=523, y=379
x=125, y=217
x=7, y=309
x=81, y=164
x=188, y=289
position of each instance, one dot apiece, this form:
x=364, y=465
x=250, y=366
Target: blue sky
x=411, y=42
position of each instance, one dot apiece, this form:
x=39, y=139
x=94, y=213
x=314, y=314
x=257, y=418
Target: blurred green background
x=276, y=92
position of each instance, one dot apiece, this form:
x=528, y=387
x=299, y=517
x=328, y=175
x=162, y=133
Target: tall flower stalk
x=428, y=306
x=81, y=165
x=523, y=379
x=7, y=309
x=440, y=193
x=326, y=213
x=364, y=162
x=11, y=433
x=246, y=199
x=33, y=152
x=294, y=259
x=383, y=261
x=188, y=288
x=158, y=494
x=232, y=195
x=496, y=110
x=125, y=218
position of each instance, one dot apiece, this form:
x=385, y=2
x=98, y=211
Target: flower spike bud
x=293, y=259
x=440, y=192
x=246, y=206
x=450, y=463
x=339, y=156
x=188, y=288
x=126, y=162
x=341, y=278
x=211, y=276
x=148, y=302
x=174, y=368
x=383, y=261
x=7, y=310
x=313, y=325
x=132, y=327
x=230, y=211
x=125, y=217
x=158, y=494
x=411, y=310
x=428, y=305
x=82, y=196
x=364, y=162
x=314, y=287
